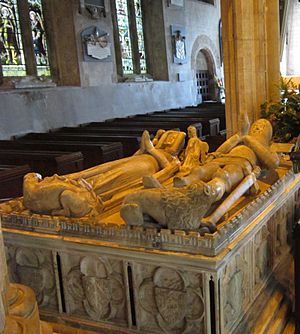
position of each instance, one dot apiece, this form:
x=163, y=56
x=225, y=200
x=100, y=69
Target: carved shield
x=171, y=305
x=97, y=293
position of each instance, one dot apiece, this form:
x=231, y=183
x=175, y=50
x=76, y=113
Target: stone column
x=251, y=56
x=18, y=307
x=273, y=49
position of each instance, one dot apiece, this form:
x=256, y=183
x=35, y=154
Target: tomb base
x=98, y=284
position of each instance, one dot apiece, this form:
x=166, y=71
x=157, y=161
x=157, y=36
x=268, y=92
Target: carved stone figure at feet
x=180, y=208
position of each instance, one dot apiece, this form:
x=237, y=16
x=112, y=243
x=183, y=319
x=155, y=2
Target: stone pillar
x=18, y=307
x=273, y=49
x=251, y=56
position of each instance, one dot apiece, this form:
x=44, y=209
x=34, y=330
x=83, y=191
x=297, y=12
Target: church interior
x=149, y=166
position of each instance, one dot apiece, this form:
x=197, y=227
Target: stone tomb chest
x=145, y=280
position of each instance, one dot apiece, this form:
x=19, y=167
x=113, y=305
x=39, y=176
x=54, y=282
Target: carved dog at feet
x=176, y=208
x=58, y=195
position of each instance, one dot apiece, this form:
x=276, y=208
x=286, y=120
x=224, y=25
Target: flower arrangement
x=284, y=114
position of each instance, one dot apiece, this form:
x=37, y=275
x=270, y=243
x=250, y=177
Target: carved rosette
x=94, y=287
x=34, y=268
x=236, y=283
x=169, y=301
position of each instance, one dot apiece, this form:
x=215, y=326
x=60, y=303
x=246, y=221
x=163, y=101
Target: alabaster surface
x=162, y=181
x=109, y=284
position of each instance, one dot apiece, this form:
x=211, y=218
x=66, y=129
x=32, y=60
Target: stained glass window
x=39, y=37
x=13, y=26
x=129, y=16
x=140, y=33
x=124, y=35
x=11, y=49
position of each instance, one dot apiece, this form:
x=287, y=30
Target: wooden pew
x=214, y=111
x=93, y=153
x=209, y=126
x=131, y=124
x=182, y=125
x=130, y=142
x=106, y=130
x=119, y=131
x=11, y=180
x=204, y=114
x=44, y=162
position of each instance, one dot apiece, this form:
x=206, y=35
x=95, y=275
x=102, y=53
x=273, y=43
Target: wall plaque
x=96, y=45
x=179, y=44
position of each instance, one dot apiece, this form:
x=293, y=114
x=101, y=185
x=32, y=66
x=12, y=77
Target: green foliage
x=285, y=114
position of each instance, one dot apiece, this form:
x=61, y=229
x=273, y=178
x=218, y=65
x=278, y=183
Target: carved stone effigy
x=232, y=169
x=161, y=278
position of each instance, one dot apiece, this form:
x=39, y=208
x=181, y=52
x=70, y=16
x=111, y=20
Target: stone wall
x=101, y=96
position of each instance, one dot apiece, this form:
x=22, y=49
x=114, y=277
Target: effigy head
x=262, y=131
